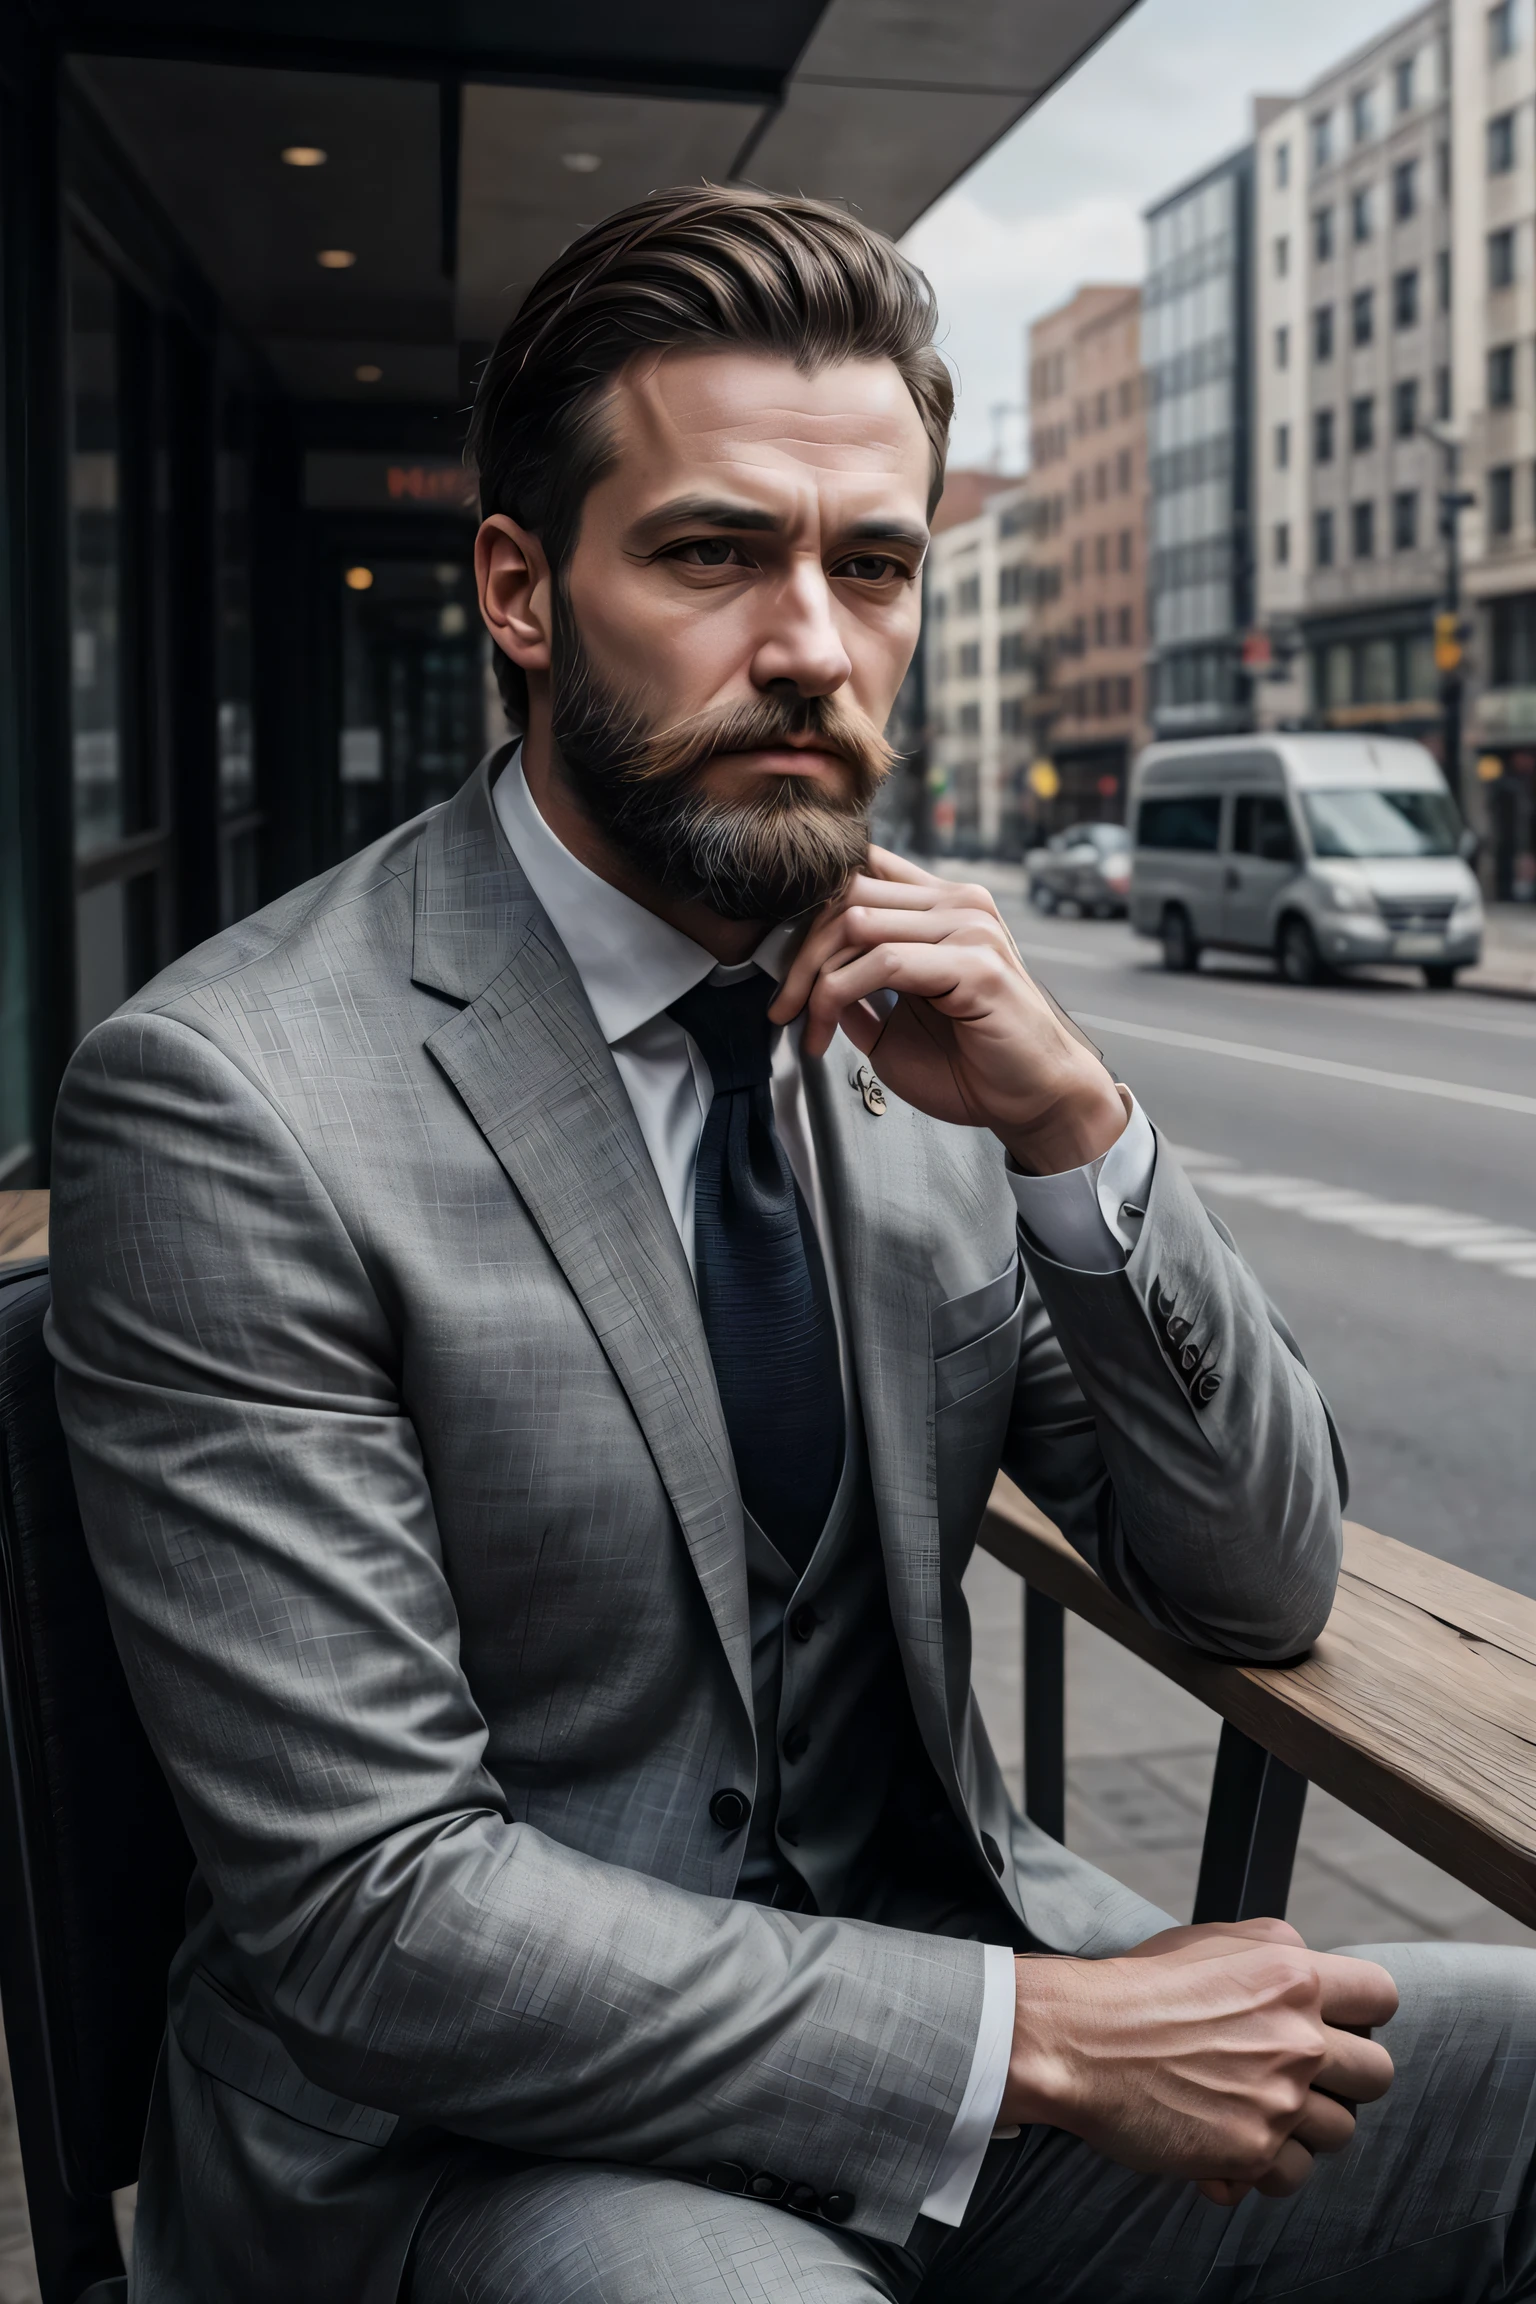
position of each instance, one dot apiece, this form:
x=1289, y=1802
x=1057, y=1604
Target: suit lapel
x=875, y=1175
x=525, y=1054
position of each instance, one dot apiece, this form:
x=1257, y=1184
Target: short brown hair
x=710, y=265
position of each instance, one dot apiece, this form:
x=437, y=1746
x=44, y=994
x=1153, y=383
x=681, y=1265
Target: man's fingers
x=1288, y=2171
x=1358, y=2070
x=887, y=865
x=1324, y=2126
x=1224, y=2190
x=1355, y=1992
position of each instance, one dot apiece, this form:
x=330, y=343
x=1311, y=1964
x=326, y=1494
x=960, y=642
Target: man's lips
x=787, y=759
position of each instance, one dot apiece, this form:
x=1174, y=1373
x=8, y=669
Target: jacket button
x=797, y=1743
x=803, y=2198
x=766, y=2186
x=725, y=2176
x=1177, y=1329
x=837, y=2207
x=730, y=1809
x=994, y=1854
x=1208, y=1385
x=1189, y=1359
x=803, y=1623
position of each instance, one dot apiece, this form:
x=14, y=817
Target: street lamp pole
x=1450, y=645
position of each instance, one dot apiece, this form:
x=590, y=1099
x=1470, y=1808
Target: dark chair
x=93, y=1860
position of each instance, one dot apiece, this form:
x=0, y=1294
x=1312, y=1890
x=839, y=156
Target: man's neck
x=731, y=941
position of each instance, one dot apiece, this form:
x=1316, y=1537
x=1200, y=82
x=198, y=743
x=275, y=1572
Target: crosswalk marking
x=1507, y=1248
x=1363, y=1075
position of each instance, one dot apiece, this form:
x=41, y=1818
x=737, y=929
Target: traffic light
x=1450, y=635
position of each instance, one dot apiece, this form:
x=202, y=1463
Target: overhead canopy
x=467, y=141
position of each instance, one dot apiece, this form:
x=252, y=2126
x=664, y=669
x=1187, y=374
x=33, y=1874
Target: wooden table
x=1416, y=1707
x=23, y=1227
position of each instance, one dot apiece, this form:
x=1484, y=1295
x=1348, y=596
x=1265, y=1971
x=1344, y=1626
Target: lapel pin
x=870, y=1089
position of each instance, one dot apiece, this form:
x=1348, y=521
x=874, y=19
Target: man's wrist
x=1077, y=1127
x=1039, y=2093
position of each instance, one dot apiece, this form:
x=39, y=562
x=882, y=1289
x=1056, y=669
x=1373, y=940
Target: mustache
x=764, y=724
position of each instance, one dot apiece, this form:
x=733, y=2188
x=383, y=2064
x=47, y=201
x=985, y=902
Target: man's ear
x=516, y=591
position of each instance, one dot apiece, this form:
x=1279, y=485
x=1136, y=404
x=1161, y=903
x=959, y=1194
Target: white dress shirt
x=632, y=966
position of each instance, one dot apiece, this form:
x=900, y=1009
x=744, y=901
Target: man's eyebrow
x=712, y=512
x=879, y=530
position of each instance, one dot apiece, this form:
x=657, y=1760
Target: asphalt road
x=1373, y=1147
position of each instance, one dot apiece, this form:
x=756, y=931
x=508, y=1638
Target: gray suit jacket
x=402, y=1464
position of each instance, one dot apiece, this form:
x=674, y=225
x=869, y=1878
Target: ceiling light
x=581, y=163
x=368, y=373
x=336, y=259
x=304, y=156
x=359, y=579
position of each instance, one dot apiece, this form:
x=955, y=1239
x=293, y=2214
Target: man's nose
x=801, y=643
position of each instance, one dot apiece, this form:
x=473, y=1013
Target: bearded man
x=533, y=1392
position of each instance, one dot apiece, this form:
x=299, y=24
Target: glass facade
x=414, y=690
x=239, y=820
x=1194, y=337
x=96, y=572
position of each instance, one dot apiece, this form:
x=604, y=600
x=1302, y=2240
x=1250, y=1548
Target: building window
x=1283, y=544
x=1362, y=116
x=1322, y=332
x=1501, y=258
x=1405, y=407
x=1123, y=693
x=1503, y=31
x=1360, y=214
x=1123, y=472
x=1322, y=540
x=1362, y=522
x=1501, y=144
x=1362, y=315
x=1402, y=83
x=1322, y=234
x=1012, y=584
x=1442, y=395
x=1101, y=628
x=1282, y=256
x=1282, y=447
x=970, y=660
x=1405, y=190
x=1125, y=549
x=1405, y=520
x=1362, y=423
x=1443, y=280
x=1282, y=347
x=1322, y=436
x=1077, y=561
x=1282, y=166
x=1501, y=376
x=1501, y=499
x=1011, y=654
x=1101, y=555
x=968, y=596
x=1405, y=299
x=1125, y=627
x=1443, y=168
x=1322, y=139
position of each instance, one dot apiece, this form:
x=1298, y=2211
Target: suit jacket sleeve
x=1165, y=1420
x=262, y=1521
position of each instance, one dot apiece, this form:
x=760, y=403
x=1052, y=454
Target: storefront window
x=239, y=824
x=413, y=690
x=95, y=553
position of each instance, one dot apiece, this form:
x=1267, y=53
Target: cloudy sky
x=1059, y=201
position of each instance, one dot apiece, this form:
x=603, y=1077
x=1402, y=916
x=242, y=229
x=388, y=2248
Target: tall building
x=978, y=663
x=1494, y=356
x=1196, y=335
x=1088, y=461
x=1352, y=345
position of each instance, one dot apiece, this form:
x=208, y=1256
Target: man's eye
x=709, y=552
x=872, y=568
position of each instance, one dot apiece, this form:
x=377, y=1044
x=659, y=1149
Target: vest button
x=803, y=1623
x=797, y=1743
x=837, y=2207
x=730, y=1809
x=725, y=2176
x=766, y=2186
x=803, y=2198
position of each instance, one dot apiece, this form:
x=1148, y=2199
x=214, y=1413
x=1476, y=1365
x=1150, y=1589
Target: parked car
x=1329, y=852
x=1088, y=865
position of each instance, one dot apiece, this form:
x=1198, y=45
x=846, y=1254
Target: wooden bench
x=1416, y=1707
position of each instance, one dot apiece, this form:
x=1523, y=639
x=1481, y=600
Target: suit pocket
x=976, y=1338
x=230, y=2045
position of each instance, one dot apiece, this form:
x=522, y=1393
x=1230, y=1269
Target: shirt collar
x=632, y=964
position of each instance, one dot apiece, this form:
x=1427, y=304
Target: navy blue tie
x=761, y=1280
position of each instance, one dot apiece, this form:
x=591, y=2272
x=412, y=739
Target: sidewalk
x=1509, y=953
x=1140, y=1753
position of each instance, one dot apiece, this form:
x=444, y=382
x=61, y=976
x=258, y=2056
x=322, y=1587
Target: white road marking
x=1472, y=1240
x=1033, y=951
x=1323, y=1067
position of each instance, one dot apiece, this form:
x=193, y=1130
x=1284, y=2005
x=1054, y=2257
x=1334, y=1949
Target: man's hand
x=1216, y=2053
x=972, y=1038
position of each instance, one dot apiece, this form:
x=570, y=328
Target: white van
x=1328, y=852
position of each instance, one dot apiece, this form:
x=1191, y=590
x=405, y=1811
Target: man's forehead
x=685, y=412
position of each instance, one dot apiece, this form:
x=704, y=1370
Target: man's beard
x=788, y=847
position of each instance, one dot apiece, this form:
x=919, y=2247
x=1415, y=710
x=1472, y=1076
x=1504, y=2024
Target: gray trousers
x=1432, y=2204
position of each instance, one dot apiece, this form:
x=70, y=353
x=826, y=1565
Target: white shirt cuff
x=960, y=2163
x=1090, y=1218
